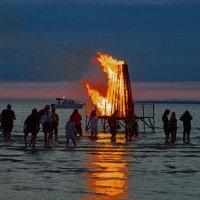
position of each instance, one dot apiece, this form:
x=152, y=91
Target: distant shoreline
x=169, y=101
x=136, y=101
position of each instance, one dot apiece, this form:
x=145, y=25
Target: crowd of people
x=48, y=119
x=170, y=126
x=131, y=126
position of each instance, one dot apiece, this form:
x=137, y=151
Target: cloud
x=47, y=64
x=28, y=55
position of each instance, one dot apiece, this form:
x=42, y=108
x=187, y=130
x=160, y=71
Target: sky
x=46, y=46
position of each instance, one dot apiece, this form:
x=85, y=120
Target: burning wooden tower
x=119, y=95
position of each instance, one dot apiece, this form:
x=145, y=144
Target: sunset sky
x=46, y=46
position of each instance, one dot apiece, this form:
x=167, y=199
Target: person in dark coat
x=7, y=118
x=186, y=119
x=166, y=127
x=31, y=125
x=77, y=118
x=54, y=119
x=113, y=124
x=131, y=126
x=173, y=127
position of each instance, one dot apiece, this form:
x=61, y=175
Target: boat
x=68, y=103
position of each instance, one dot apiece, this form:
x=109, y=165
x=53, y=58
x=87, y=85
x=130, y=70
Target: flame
x=117, y=92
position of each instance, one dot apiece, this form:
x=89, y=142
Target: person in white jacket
x=93, y=121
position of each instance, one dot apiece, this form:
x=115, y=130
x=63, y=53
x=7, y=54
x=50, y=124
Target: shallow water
x=144, y=168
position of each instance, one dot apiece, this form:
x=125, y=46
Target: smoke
x=37, y=60
x=69, y=65
x=30, y=56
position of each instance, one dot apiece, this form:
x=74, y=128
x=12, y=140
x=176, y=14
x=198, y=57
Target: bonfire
x=119, y=95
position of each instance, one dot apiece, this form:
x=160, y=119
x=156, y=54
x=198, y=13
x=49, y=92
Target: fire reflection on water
x=108, y=170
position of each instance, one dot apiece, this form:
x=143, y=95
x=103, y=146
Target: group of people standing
x=49, y=121
x=170, y=126
x=131, y=126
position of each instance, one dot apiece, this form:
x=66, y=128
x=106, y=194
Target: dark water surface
x=141, y=169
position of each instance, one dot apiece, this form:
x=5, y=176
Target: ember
x=119, y=96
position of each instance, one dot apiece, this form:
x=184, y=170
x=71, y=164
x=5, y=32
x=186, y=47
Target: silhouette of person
x=70, y=130
x=31, y=126
x=173, y=127
x=77, y=119
x=7, y=117
x=166, y=127
x=186, y=119
x=131, y=126
x=54, y=119
x=93, y=121
x=113, y=124
x=45, y=121
x=1, y=129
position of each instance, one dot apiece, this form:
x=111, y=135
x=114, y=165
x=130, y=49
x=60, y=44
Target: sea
x=141, y=169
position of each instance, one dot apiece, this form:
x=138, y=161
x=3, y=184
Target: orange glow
x=118, y=95
x=108, y=173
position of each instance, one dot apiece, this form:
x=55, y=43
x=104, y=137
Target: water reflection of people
x=113, y=124
x=186, y=119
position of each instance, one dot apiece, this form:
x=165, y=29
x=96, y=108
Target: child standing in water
x=70, y=129
x=93, y=124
